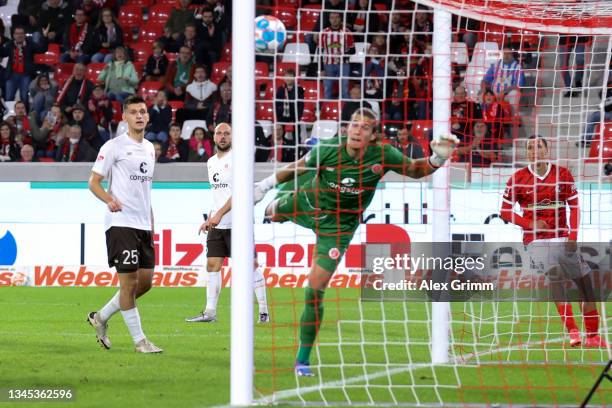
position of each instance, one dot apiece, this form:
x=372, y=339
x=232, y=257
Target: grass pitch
x=46, y=343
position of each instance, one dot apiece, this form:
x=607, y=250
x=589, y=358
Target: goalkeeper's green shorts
x=334, y=231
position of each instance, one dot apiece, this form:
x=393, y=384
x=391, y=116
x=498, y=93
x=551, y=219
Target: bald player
x=218, y=227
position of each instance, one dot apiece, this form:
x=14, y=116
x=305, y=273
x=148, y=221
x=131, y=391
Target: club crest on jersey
x=377, y=168
x=100, y=157
x=334, y=253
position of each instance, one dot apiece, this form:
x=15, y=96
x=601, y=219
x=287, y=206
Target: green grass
x=45, y=343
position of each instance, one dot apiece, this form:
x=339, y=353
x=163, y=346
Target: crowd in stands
x=71, y=63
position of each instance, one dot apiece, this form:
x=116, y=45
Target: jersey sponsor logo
x=346, y=186
x=377, y=168
x=215, y=177
x=545, y=204
x=334, y=253
x=348, y=182
x=143, y=168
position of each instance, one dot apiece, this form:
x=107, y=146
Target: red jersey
x=335, y=45
x=542, y=198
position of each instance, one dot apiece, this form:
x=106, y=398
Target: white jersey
x=220, y=179
x=128, y=166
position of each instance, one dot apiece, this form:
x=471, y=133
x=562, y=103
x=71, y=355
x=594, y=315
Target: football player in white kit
x=218, y=226
x=127, y=162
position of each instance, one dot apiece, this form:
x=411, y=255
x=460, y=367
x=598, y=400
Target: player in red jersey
x=544, y=192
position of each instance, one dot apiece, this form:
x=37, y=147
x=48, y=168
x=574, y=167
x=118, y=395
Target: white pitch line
x=282, y=395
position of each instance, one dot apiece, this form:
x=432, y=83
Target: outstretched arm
x=281, y=176
x=442, y=150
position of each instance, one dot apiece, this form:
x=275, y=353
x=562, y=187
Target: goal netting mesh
x=375, y=351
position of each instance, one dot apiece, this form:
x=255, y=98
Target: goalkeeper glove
x=262, y=187
x=442, y=149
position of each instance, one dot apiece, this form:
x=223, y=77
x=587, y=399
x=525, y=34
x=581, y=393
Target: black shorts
x=129, y=249
x=219, y=243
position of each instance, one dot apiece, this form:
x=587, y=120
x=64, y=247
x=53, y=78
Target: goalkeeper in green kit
x=336, y=182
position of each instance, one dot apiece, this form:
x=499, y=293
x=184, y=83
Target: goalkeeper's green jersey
x=335, y=181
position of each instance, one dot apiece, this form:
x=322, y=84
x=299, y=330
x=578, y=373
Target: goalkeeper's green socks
x=310, y=323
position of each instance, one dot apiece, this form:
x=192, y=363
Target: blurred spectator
x=197, y=96
x=119, y=76
x=157, y=63
x=477, y=147
x=419, y=96
x=505, y=78
x=323, y=21
x=160, y=116
x=376, y=53
x=595, y=118
x=397, y=29
x=43, y=92
x=494, y=113
x=395, y=106
x=262, y=144
x=220, y=12
x=572, y=48
x=200, y=146
x=20, y=121
x=49, y=133
x=101, y=111
x=177, y=149
x=3, y=40
x=353, y=104
x=179, y=73
x=27, y=154
x=77, y=89
x=289, y=100
x=159, y=158
x=20, y=67
x=55, y=17
x=9, y=150
x=463, y=111
x=362, y=21
x=89, y=128
x=211, y=36
x=79, y=40
x=407, y=143
x=179, y=18
x=93, y=8
x=166, y=40
x=422, y=30
x=73, y=148
x=336, y=43
x=109, y=35
x=27, y=10
x=190, y=40
x=284, y=144
x=220, y=109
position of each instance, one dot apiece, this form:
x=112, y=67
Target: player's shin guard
x=567, y=316
x=109, y=309
x=310, y=323
x=591, y=322
x=260, y=290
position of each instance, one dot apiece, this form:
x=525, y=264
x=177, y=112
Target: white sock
x=109, y=309
x=213, y=287
x=132, y=321
x=260, y=290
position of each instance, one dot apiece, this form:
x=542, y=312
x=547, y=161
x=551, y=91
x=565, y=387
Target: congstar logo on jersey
x=215, y=184
x=142, y=178
x=346, y=186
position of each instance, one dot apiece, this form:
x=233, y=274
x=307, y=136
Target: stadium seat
x=117, y=111
x=142, y=51
x=310, y=112
x=484, y=55
x=596, y=151
x=140, y=3
x=308, y=18
x=218, y=71
x=421, y=130
x=264, y=90
x=361, y=48
x=294, y=4
x=262, y=71
x=167, y=2
x=267, y=126
x=93, y=70
x=459, y=53
x=324, y=129
x=188, y=127
x=159, y=13
x=264, y=111
x=281, y=69
x=311, y=89
x=296, y=53
x=151, y=32
x=10, y=108
x=63, y=72
x=130, y=16
x=51, y=57
x=148, y=90
x=330, y=111
x=287, y=15
x=382, y=15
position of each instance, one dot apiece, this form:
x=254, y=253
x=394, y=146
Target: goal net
x=517, y=68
